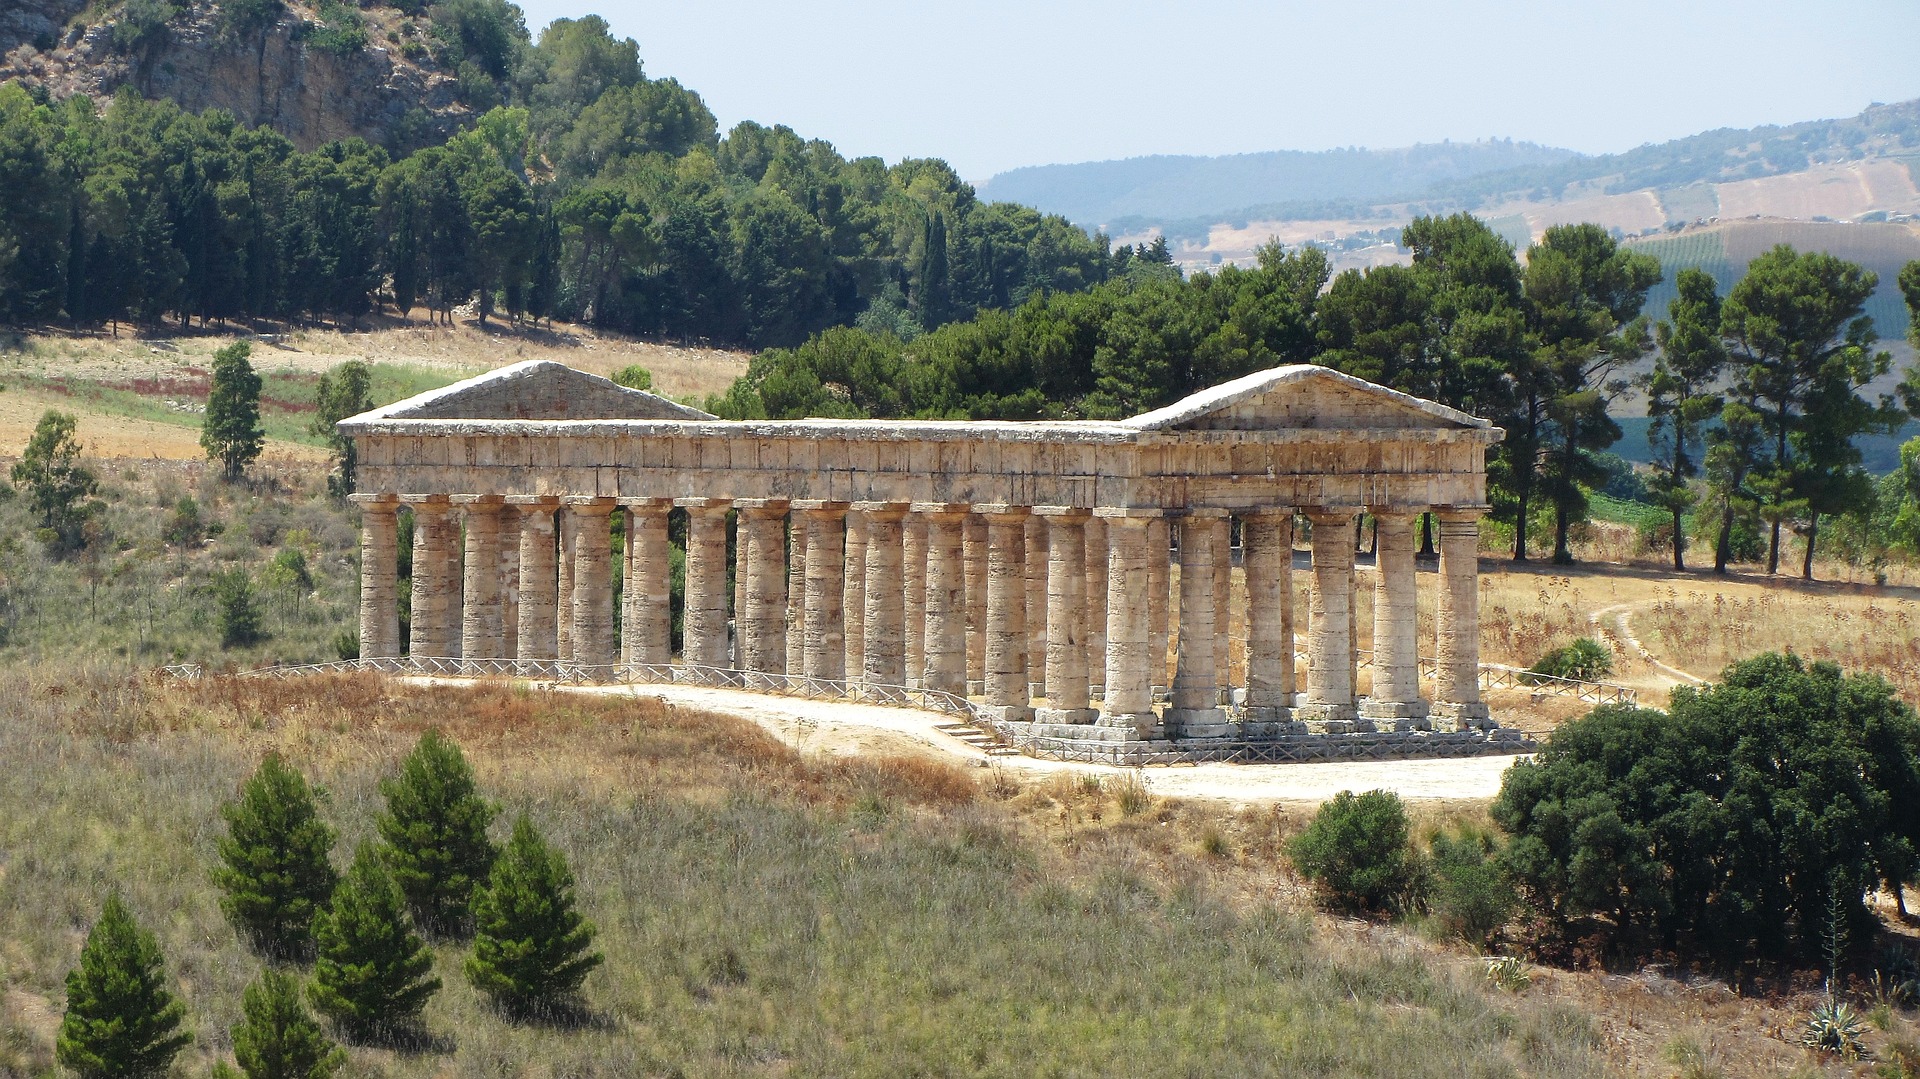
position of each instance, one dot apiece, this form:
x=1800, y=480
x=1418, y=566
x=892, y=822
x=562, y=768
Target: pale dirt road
x=839, y=728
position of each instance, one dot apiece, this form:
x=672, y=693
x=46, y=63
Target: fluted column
x=1266, y=543
x=1223, y=598
x=1396, y=639
x=762, y=620
x=436, y=581
x=1129, y=683
x=593, y=582
x=483, y=621
x=1159, y=599
x=1330, y=620
x=379, y=576
x=974, y=540
x=567, y=524
x=944, y=644
x=1457, y=687
x=1034, y=571
x=1096, y=533
x=737, y=606
x=539, y=582
x=796, y=592
x=510, y=581
x=1195, y=711
x=825, y=651
x=913, y=548
x=853, y=595
x=1006, y=658
x=1066, y=679
x=704, y=618
x=885, y=661
x=647, y=634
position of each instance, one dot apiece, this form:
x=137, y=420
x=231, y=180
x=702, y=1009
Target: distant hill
x=1170, y=187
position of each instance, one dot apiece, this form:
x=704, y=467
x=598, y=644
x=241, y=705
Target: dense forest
x=585, y=191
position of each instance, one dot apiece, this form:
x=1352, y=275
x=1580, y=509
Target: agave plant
x=1834, y=1027
x=1508, y=972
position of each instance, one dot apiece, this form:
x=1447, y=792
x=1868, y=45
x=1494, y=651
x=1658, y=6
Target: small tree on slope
x=121, y=1020
x=372, y=973
x=276, y=872
x=435, y=829
x=278, y=1038
x=231, y=432
x=531, y=948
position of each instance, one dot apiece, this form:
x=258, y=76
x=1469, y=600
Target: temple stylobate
x=1026, y=566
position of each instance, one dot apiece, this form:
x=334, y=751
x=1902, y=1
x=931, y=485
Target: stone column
x=1034, y=570
x=568, y=526
x=1223, y=598
x=1066, y=678
x=913, y=548
x=885, y=660
x=539, y=582
x=825, y=651
x=1006, y=660
x=1456, y=691
x=1159, y=601
x=379, y=576
x=1396, y=643
x=796, y=592
x=1096, y=530
x=1330, y=620
x=483, y=621
x=762, y=620
x=1195, y=711
x=853, y=595
x=704, y=618
x=1129, y=695
x=593, y=583
x=1266, y=545
x=510, y=580
x=944, y=646
x=974, y=538
x=737, y=606
x=436, y=581
x=648, y=626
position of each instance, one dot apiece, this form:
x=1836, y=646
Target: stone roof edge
x=1089, y=432
x=400, y=410
x=1195, y=405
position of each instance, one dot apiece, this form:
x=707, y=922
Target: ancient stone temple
x=1028, y=567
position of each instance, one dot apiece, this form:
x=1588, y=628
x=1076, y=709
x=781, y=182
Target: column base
x=1065, y=715
x=1378, y=709
x=1007, y=713
x=1140, y=725
x=1469, y=715
x=976, y=687
x=1317, y=712
x=1199, y=723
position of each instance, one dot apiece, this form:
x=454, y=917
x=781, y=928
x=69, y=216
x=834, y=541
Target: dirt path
x=1615, y=622
x=840, y=728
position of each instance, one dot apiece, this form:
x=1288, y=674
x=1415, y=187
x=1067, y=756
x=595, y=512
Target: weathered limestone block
x=436, y=581
x=1066, y=680
x=704, y=617
x=649, y=625
x=538, y=637
x=1266, y=540
x=1128, y=704
x=826, y=654
x=379, y=580
x=1196, y=711
x=885, y=622
x=762, y=618
x=1330, y=657
x=1007, y=687
x=1457, y=686
x=593, y=581
x=483, y=625
x=1396, y=659
x=944, y=651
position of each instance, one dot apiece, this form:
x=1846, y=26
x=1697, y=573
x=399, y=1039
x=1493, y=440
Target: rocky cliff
x=389, y=92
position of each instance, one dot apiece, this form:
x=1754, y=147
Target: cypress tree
x=372, y=973
x=231, y=432
x=531, y=949
x=278, y=1038
x=121, y=1020
x=435, y=828
x=276, y=871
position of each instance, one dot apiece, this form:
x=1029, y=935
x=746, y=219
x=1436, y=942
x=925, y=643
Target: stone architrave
x=648, y=629
x=436, y=581
x=704, y=616
x=1007, y=688
x=825, y=646
x=1196, y=711
x=1266, y=544
x=1128, y=704
x=944, y=645
x=974, y=541
x=1396, y=638
x=913, y=546
x=853, y=595
x=1096, y=542
x=762, y=618
x=593, y=582
x=884, y=638
x=538, y=638
x=379, y=576
x=1330, y=658
x=483, y=622
x=1457, y=685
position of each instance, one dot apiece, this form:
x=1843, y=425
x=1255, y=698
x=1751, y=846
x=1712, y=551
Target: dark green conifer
x=372, y=973
x=276, y=871
x=435, y=829
x=278, y=1038
x=531, y=948
x=121, y=1019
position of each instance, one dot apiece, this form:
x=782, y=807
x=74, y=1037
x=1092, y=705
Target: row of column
x=1022, y=606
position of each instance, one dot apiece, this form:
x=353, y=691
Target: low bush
x=1471, y=896
x=1585, y=659
x=1355, y=851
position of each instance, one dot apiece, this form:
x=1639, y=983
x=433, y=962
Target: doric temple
x=1025, y=566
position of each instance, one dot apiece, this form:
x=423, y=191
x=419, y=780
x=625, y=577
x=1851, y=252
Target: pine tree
x=372, y=973
x=435, y=829
x=121, y=1020
x=278, y=1038
x=231, y=432
x=276, y=873
x=343, y=392
x=530, y=947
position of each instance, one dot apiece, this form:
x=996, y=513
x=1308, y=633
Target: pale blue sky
x=991, y=84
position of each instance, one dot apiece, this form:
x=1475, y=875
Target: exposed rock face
x=270, y=76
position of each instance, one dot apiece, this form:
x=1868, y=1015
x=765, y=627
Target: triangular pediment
x=535, y=390
x=1302, y=396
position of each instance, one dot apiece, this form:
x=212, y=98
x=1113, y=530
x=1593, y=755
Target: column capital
x=1271, y=511
x=941, y=509
x=1394, y=515
x=540, y=501
x=762, y=507
x=643, y=505
x=371, y=499
x=882, y=509
x=424, y=500
x=819, y=505
x=1065, y=513
x=478, y=500
x=1200, y=511
x=1126, y=513
x=704, y=505
x=587, y=501
x=1331, y=515
x=1460, y=514
x=591, y=507
x=1003, y=510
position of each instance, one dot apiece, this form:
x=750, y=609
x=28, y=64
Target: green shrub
x=372, y=973
x=1471, y=897
x=275, y=869
x=278, y=1038
x=341, y=30
x=531, y=948
x=184, y=527
x=634, y=377
x=1586, y=660
x=239, y=615
x=435, y=829
x=245, y=16
x=121, y=1019
x=1356, y=851
x=142, y=22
